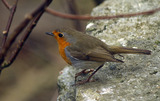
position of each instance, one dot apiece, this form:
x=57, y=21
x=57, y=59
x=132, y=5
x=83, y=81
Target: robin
x=85, y=52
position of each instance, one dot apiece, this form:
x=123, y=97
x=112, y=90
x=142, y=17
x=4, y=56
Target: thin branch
x=87, y=17
x=21, y=27
x=6, y=31
x=22, y=41
x=6, y=4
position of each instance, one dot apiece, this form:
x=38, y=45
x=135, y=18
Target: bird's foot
x=83, y=82
x=83, y=72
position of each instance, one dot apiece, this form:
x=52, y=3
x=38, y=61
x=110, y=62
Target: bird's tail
x=118, y=50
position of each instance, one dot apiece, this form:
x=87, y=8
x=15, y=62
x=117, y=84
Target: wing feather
x=98, y=54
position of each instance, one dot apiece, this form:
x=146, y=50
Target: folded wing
x=97, y=54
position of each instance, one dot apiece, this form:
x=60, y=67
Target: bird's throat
x=62, y=45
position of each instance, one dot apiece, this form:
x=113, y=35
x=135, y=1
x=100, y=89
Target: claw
x=83, y=72
x=83, y=82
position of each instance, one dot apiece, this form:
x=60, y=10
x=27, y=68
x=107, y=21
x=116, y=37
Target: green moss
x=157, y=42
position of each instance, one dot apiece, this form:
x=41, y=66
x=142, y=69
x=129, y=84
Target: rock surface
x=138, y=79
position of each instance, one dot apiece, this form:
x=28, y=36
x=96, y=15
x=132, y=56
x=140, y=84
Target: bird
x=84, y=51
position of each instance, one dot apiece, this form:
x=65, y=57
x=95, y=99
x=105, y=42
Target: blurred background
x=33, y=75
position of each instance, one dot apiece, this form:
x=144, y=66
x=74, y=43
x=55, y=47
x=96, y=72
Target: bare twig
x=20, y=28
x=22, y=41
x=87, y=17
x=6, y=31
x=6, y=4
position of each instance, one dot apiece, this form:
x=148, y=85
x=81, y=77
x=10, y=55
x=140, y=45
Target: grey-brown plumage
x=84, y=51
x=88, y=48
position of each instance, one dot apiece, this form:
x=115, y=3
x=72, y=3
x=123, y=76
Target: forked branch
x=36, y=14
x=6, y=4
x=12, y=12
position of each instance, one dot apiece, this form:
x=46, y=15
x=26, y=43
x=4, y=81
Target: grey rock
x=138, y=78
x=66, y=81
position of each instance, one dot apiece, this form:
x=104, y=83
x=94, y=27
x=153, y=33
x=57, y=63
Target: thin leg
x=87, y=80
x=83, y=72
x=121, y=55
x=94, y=72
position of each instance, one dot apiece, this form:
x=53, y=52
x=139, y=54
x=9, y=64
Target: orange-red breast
x=84, y=51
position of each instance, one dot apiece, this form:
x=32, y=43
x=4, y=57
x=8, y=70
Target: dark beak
x=50, y=33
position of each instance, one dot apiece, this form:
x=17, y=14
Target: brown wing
x=97, y=54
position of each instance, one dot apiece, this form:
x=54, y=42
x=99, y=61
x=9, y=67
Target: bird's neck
x=62, y=45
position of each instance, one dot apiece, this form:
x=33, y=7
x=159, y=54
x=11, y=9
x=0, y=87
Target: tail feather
x=118, y=50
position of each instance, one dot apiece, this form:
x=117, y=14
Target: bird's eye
x=60, y=35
